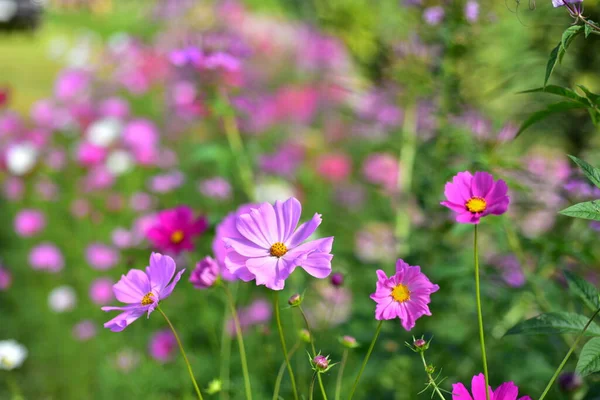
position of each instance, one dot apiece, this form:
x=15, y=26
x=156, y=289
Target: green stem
x=225, y=356
x=564, y=361
x=314, y=350
x=338, y=383
x=284, y=347
x=182, y=352
x=480, y=315
x=240, y=338
x=14, y=387
x=405, y=173
x=311, y=389
x=237, y=148
x=366, y=360
x=282, y=371
x=431, y=380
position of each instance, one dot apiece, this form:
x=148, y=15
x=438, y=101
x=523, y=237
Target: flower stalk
x=480, y=315
x=284, y=346
x=366, y=360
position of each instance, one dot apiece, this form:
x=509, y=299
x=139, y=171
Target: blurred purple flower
x=215, y=188
x=101, y=257
x=46, y=256
x=5, y=278
x=472, y=11
x=284, y=161
x=510, y=269
x=141, y=201
x=122, y=238
x=29, y=222
x=101, y=292
x=165, y=183
x=114, y=107
x=257, y=313
x=72, y=84
x=382, y=169
x=84, y=330
x=13, y=188
x=205, y=274
x=434, y=15
x=162, y=346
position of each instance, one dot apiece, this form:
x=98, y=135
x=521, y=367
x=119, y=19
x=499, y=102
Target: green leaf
x=594, y=98
x=584, y=290
x=554, y=323
x=560, y=91
x=552, y=62
x=592, y=173
x=588, y=29
x=569, y=34
x=549, y=110
x=585, y=210
x=589, y=359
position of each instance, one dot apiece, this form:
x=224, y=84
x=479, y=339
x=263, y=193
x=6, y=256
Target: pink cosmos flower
x=259, y=312
x=382, y=169
x=404, y=295
x=29, y=222
x=162, y=346
x=474, y=196
x=215, y=188
x=175, y=229
x=334, y=167
x=46, y=256
x=5, y=278
x=506, y=391
x=101, y=257
x=142, y=291
x=101, y=291
x=268, y=247
x=205, y=274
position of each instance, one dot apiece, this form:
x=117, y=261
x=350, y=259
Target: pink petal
x=246, y=248
x=317, y=264
x=160, y=271
x=132, y=287
x=122, y=320
x=287, y=215
x=482, y=184
x=459, y=208
x=304, y=231
x=468, y=218
x=454, y=194
x=498, y=192
x=478, y=388
x=463, y=181
x=253, y=228
x=268, y=271
x=506, y=391
x=381, y=276
x=460, y=392
x=166, y=292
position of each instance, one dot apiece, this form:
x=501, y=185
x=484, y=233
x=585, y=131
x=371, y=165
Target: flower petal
x=166, y=292
x=468, y=218
x=287, y=215
x=478, y=387
x=506, y=391
x=132, y=287
x=121, y=321
x=318, y=264
x=482, y=184
x=246, y=247
x=460, y=392
x=304, y=231
x=253, y=227
x=160, y=271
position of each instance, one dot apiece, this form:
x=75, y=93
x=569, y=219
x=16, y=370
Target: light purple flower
x=142, y=291
x=162, y=346
x=141, y=201
x=560, y=3
x=216, y=188
x=101, y=292
x=101, y=256
x=84, y=330
x=474, y=196
x=259, y=312
x=29, y=222
x=472, y=11
x=506, y=391
x=205, y=274
x=433, y=15
x=5, y=278
x=269, y=247
x=404, y=295
x=46, y=256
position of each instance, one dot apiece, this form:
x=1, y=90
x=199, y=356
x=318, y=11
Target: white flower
x=12, y=354
x=62, y=298
x=273, y=190
x=104, y=132
x=119, y=162
x=21, y=158
x=8, y=9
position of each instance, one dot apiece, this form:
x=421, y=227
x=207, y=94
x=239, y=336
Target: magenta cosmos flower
x=268, y=247
x=474, y=196
x=506, y=391
x=404, y=295
x=175, y=229
x=142, y=291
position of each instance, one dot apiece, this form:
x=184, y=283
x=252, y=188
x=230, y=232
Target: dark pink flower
x=474, y=196
x=142, y=291
x=163, y=346
x=175, y=230
x=382, y=169
x=404, y=295
x=506, y=391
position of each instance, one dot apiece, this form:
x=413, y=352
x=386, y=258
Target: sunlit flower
x=506, y=391
x=142, y=291
x=474, y=196
x=12, y=354
x=271, y=245
x=175, y=230
x=404, y=295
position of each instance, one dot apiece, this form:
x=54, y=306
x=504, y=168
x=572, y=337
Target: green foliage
x=557, y=54
x=585, y=210
x=548, y=111
x=584, y=290
x=589, y=359
x=554, y=323
x=592, y=173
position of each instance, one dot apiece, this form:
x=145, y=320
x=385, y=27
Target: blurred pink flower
x=13, y=188
x=205, y=274
x=175, y=230
x=101, y=257
x=141, y=201
x=29, y=222
x=56, y=159
x=257, y=313
x=126, y=360
x=215, y=188
x=89, y=154
x=122, y=238
x=382, y=169
x=163, y=346
x=114, y=107
x=98, y=178
x=46, y=256
x=46, y=189
x=80, y=208
x=72, y=84
x=101, y=291
x=506, y=391
x=165, y=183
x=5, y=278
x=84, y=330
x=329, y=306
x=284, y=162
x=141, y=137
x=334, y=167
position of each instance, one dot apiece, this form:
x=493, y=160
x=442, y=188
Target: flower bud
x=295, y=300
x=430, y=369
x=337, y=279
x=569, y=381
x=349, y=342
x=419, y=343
x=304, y=335
x=205, y=274
x=321, y=363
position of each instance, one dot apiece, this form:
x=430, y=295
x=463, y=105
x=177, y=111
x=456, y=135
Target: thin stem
x=237, y=148
x=431, y=380
x=182, y=353
x=311, y=389
x=340, y=375
x=366, y=360
x=14, y=388
x=240, y=338
x=564, y=361
x=314, y=350
x=480, y=316
x=225, y=355
x=282, y=371
x=284, y=347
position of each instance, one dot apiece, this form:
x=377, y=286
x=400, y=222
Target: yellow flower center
x=148, y=299
x=400, y=293
x=278, y=249
x=177, y=237
x=476, y=204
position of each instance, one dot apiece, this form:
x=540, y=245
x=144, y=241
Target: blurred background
x=111, y=111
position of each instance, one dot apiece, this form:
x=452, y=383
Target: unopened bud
x=337, y=279
x=321, y=362
x=569, y=381
x=304, y=335
x=430, y=369
x=349, y=342
x=295, y=300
